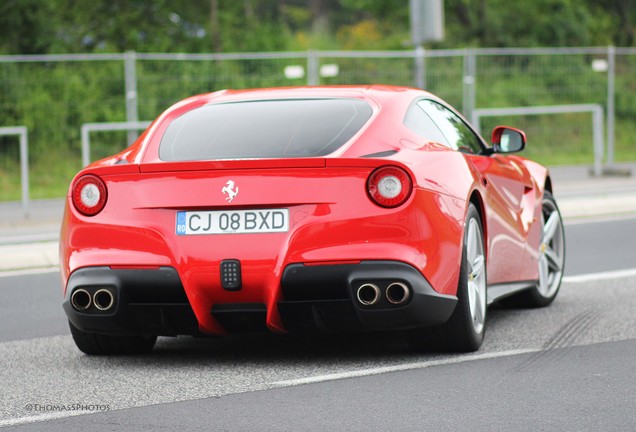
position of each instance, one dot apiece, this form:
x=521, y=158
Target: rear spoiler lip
x=238, y=164
x=241, y=164
x=233, y=164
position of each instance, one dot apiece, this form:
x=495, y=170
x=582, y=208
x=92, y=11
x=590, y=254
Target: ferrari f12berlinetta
x=300, y=209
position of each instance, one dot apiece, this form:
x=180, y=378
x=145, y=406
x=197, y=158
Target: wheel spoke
x=543, y=275
x=472, y=297
x=553, y=260
x=479, y=313
x=476, y=303
x=481, y=298
x=477, y=267
x=471, y=245
x=551, y=226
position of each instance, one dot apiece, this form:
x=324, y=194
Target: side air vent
x=381, y=154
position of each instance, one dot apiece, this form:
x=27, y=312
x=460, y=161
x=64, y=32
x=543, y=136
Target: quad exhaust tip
x=103, y=299
x=368, y=294
x=397, y=293
x=82, y=300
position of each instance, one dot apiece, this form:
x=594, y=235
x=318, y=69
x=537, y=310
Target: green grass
x=48, y=177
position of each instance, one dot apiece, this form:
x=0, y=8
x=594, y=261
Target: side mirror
x=508, y=140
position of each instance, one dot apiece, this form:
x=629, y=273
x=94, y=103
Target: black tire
x=551, y=257
x=99, y=344
x=464, y=331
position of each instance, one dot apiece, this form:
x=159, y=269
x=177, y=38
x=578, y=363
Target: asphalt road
x=567, y=367
x=600, y=246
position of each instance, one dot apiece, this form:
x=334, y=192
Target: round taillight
x=89, y=195
x=389, y=186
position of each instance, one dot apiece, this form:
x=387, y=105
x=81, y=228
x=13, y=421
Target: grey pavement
x=29, y=241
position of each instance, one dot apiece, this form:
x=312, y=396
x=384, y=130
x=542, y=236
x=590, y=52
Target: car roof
x=380, y=93
x=392, y=100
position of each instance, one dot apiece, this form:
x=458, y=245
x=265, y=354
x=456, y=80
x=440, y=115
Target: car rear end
x=224, y=227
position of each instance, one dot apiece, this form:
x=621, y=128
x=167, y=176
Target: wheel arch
x=548, y=184
x=478, y=201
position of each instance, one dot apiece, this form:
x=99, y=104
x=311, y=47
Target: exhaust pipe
x=81, y=299
x=103, y=299
x=368, y=294
x=397, y=293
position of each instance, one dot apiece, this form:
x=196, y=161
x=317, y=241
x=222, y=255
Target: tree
x=502, y=23
x=26, y=26
x=621, y=18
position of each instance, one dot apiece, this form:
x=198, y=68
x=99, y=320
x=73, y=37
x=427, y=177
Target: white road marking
x=598, y=219
x=27, y=272
x=399, y=368
x=41, y=417
x=592, y=277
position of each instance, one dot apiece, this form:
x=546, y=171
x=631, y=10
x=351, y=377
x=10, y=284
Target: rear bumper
x=312, y=297
x=146, y=301
x=324, y=297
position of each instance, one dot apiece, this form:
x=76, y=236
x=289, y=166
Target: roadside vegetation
x=54, y=98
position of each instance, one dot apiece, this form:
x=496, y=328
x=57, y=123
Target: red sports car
x=301, y=209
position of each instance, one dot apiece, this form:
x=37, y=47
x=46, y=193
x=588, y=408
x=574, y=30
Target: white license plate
x=232, y=222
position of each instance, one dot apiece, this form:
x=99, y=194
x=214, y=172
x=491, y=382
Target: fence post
x=22, y=132
x=611, y=76
x=420, y=67
x=132, y=112
x=116, y=126
x=597, y=120
x=24, y=169
x=312, y=68
x=86, y=145
x=470, y=71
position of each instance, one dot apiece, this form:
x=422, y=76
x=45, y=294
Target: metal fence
x=54, y=95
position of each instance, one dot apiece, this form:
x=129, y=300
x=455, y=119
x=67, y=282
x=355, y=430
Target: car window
x=264, y=129
x=459, y=135
x=420, y=123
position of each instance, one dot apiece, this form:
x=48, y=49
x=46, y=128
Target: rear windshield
x=264, y=129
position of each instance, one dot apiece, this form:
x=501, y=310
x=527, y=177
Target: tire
x=551, y=259
x=99, y=344
x=464, y=331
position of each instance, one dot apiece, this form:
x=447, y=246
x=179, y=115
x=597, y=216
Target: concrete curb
x=29, y=256
x=616, y=204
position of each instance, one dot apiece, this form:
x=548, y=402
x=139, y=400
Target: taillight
x=389, y=186
x=89, y=195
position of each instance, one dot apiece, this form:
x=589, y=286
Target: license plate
x=232, y=222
